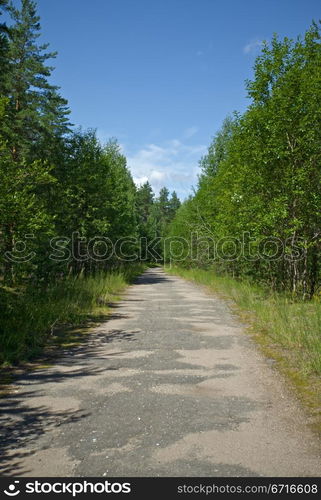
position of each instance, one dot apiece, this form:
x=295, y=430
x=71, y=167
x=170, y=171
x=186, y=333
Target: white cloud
x=156, y=175
x=189, y=132
x=176, y=144
x=173, y=164
x=253, y=46
x=139, y=181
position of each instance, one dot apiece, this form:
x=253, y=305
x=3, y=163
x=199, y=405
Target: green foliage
x=3, y=46
x=261, y=178
x=94, y=194
x=144, y=210
x=33, y=316
x=293, y=326
x=61, y=191
x=154, y=217
x=35, y=113
x=218, y=149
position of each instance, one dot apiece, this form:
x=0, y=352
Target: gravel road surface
x=170, y=385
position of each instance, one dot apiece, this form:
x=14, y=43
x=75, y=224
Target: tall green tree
x=163, y=204
x=3, y=47
x=144, y=208
x=173, y=205
x=36, y=112
x=218, y=149
x=261, y=176
x=94, y=197
x=34, y=118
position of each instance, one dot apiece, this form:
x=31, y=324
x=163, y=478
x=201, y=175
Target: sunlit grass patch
x=31, y=318
x=287, y=330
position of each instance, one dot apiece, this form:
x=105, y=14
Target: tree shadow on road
x=21, y=423
x=152, y=278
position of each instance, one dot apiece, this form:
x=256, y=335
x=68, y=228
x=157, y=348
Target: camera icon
x=13, y=491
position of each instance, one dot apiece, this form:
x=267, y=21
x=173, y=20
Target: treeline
x=64, y=197
x=73, y=225
x=256, y=210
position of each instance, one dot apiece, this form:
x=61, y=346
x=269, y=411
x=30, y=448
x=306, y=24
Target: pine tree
x=33, y=114
x=36, y=112
x=174, y=204
x=144, y=212
x=144, y=201
x=144, y=208
x=163, y=204
x=3, y=46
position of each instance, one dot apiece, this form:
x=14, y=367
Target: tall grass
x=286, y=324
x=29, y=316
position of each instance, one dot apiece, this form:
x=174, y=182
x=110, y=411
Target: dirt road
x=169, y=386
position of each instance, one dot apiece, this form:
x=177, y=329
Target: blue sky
x=161, y=75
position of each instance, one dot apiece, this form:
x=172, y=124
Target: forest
x=64, y=198
x=252, y=229
x=256, y=210
x=160, y=289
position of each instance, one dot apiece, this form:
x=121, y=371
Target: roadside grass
x=36, y=317
x=287, y=330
